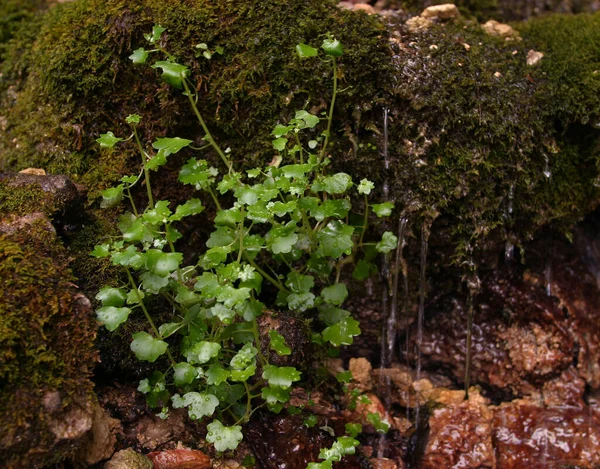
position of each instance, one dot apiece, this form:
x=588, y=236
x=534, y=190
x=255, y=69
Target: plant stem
x=146, y=172
x=271, y=279
x=331, y=107
x=146, y=313
x=208, y=135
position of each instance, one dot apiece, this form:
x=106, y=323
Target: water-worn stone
x=180, y=458
x=496, y=28
x=460, y=436
x=445, y=11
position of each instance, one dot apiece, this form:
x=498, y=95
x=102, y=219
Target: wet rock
x=460, y=436
x=180, y=459
x=128, y=459
x=496, y=28
x=530, y=436
x=361, y=372
x=296, y=334
x=364, y=7
x=519, y=338
x=284, y=442
x=445, y=11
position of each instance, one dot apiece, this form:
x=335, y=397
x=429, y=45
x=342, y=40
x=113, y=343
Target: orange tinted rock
x=180, y=459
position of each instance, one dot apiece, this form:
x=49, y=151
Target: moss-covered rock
x=488, y=144
x=47, y=333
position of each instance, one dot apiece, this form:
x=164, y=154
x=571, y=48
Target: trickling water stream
x=425, y=230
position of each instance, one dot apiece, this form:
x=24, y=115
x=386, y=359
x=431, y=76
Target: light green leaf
x=162, y=263
x=300, y=301
x=363, y=270
x=216, y=374
x=365, y=187
x=343, y=446
x=335, y=294
x=273, y=394
x=243, y=375
x=335, y=208
x=198, y=404
x=158, y=160
x=202, y=352
x=282, y=376
x=383, y=210
x=299, y=283
x=381, y=426
x=343, y=332
x=183, y=373
x=281, y=130
x=112, y=317
x=112, y=197
x=153, y=283
x=133, y=119
x=130, y=257
x=335, y=239
x=296, y=170
x=159, y=214
x=198, y=173
x=280, y=143
x=101, y=250
x=108, y=140
x=332, y=47
x=157, y=31
x=109, y=296
x=168, y=329
x=388, y=243
x=173, y=73
x=304, y=51
x=146, y=347
x=222, y=437
x=306, y=119
x=171, y=145
x=190, y=207
x=278, y=343
x=244, y=357
x=281, y=241
x=139, y=56
x=339, y=183
x=224, y=314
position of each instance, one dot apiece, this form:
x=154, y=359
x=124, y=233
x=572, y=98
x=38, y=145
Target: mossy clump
x=47, y=333
x=76, y=86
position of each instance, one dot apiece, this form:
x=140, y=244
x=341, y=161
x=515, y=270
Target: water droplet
x=509, y=251
x=547, y=171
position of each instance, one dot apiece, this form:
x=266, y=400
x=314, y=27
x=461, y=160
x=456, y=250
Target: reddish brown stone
x=180, y=459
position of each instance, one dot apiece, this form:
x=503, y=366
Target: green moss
x=46, y=344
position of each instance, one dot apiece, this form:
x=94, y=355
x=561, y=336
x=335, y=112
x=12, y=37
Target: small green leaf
x=171, y=145
x=332, y=47
x=342, y=333
x=243, y=375
x=168, y=329
x=363, y=270
x=112, y=317
x=153, y=283
x=202, y=352
x=335, y=294
x=383, y=210
x=304, y=50
x=157, y=31
x=133, y=119
x=101, y=250
x=222, y=437
x=296, y=170
x=183, y=373
x=339, y=183
x=130, y=257
x=216, y=374
x=381, y=426
x=190, y=207
x=244, y=357
x=158, y=160
x=278, y=343
x=162, y=263
x=198, y=404
x=299, y=283
x=306, y=119
x=139, y=56
x=343, y=446
x=224, y=314
x=146, y=347
x=388, y=243
x=280, y=143
x=365, y=187
x=198, y=173
x=280, y=241
x=301, y=301
x=112, y=197
x=281, y=130
x=353, y=429
x=320, y=465
x=331, y=315
x=158, y=215
x=111, y=296
x=173, y=73
x=273, y=394
x=108, y=140
x=344, y=376
x=335, y=239
x=282, y=376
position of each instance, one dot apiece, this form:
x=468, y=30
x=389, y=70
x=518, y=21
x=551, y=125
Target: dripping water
x=547, y=171
x=509, y=248
x=421, y=311
x=425, y=230
x=392, y=316
x=473, y=284
x=548, y=277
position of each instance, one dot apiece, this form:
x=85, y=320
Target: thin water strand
x=422, y=291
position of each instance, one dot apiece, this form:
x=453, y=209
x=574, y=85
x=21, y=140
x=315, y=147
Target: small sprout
x=108, y=140
x=332, y=47
x=304, y=51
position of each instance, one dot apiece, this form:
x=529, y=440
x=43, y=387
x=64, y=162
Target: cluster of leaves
x=289, y=224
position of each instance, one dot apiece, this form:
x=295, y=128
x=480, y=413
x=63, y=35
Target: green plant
x=290, y=225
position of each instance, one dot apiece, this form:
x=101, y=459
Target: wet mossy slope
x=478, y=139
